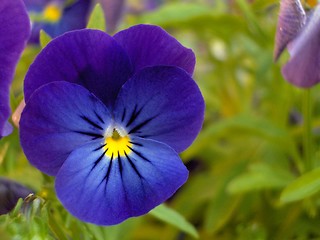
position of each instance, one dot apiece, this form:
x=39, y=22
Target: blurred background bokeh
x=247, y=162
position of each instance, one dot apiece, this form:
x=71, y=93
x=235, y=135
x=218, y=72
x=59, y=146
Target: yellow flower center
x=117, y=145
x=52, y=13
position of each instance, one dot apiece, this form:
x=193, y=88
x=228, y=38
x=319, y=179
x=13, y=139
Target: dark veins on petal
x=133, y=166
x=120, y=159
x=134, y=115
x=93, y=124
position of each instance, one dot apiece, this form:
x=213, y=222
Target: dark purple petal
x=303, y=68
x=106, y=190
x=113, y=10
x=14, y=32
x=291, y=20
x=58, y=118
x=149, y=45
x=90, y=58
x=161, y=103
x=10, y=192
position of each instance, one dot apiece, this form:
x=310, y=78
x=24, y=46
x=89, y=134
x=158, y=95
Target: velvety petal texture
x=58, y=118
x=161, y=103
x=150, y=46
x=303, y=67
x=291, y=19
x=106, y=190
x=14, y=32
x=109, y=121
x=91, y=59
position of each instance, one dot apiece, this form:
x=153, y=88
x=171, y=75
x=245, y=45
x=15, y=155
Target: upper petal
x=149, y=45
x=106, y=190
x=291, y=20
x=303, y=67
x=14, y=32
x=161, y=103
x=58, y=118
x=87, y=57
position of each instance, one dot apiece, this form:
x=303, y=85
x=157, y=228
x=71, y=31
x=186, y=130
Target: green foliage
x=249, y=178
x=97, y=20
x=303, y=187
x=44, y=38
x=172, y=217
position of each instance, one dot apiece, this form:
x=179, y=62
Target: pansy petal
x=58, y=118
x=302, y=69
x=291, y=20
x=161, y=103
x=113, y=10
x=90, y=58
x=149, y=45
x=10, y=192
x=106, y=190
x=14, y=32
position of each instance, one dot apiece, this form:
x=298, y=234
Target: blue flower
x=56, y=17
x=300, y=34
x=108, y=116
x=14, y=31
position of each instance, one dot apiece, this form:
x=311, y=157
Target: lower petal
x=102, y=189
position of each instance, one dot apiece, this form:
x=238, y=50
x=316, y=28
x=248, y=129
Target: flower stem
x=307, y=133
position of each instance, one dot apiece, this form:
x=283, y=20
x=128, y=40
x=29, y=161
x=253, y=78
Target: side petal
x=302, y=69
x=90, y=58
x=58, y=118
x=291, y=20
x=149, y=45
x=161, y=103
x=14, y=33
x=106, y=190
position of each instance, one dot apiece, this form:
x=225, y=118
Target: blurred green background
x=249, y=178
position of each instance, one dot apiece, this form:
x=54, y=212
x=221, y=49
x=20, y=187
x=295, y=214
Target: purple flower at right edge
x=300, y=34
x=107, y=116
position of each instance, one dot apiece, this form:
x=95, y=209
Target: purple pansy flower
x=301, y=35
x=56, y=17
x=108, y=116
x=14, y=31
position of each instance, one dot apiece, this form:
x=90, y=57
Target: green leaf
x=303, y=187
x=175, y=12
x=260, y=176
x=172, y=217
x=242, y=125
x=97, y=19
x=44, y=38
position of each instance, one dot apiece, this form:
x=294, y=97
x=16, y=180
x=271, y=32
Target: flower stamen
x=52, y=13
x=117, y=144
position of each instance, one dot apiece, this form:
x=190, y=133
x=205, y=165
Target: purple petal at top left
x=14, y=33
